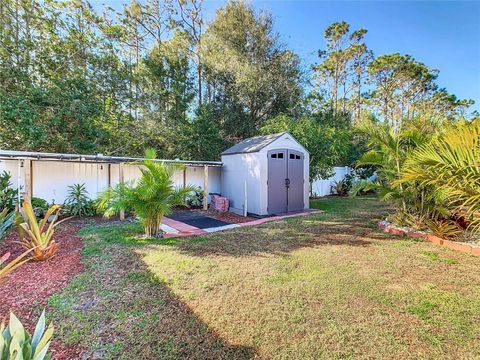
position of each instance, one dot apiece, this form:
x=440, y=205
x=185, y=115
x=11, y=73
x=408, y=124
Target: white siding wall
x=323, y=187
x=52, y=178
x=238, y=169
x=12, y=167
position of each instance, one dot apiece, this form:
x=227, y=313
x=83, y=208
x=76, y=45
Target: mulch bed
x=26, y=290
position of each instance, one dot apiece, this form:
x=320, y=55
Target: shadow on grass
x=118, y=309
x=350, y=222
x=350, y=228
x=346, y=222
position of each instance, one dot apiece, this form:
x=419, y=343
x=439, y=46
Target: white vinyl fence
x=50, y=179
x=324, y=187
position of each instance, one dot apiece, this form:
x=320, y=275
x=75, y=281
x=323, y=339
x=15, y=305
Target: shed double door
x=285, y=181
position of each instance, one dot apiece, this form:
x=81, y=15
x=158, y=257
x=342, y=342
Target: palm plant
x=389, y=149
x=450, y=165
x=151, y=198
x=38, y=235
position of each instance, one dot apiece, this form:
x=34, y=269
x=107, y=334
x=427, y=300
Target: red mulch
x=26, y=290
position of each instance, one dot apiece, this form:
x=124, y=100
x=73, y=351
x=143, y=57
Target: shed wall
x=237, y=170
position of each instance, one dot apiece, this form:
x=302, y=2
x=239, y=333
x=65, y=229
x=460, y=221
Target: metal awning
x=99, y=158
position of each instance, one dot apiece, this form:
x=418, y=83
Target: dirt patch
x=26, y=290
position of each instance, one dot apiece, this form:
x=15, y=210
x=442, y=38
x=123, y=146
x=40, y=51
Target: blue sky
x=442, y=34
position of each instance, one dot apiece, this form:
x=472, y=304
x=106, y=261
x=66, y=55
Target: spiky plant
x=38, y=235
x=16, y=343
x=7, y=268
x=77, y=201
x=6, y=221
x=151, y=198
x=450, y=165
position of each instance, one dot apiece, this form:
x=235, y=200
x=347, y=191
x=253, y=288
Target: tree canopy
x=156, y=75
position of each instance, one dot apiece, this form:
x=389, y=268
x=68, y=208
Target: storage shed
x=266, y=175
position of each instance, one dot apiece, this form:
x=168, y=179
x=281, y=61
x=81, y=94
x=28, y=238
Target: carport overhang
x=25, y=159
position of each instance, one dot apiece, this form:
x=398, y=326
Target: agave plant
x=151, y=198
x=6, y=221
x=16, y=343
x=6, y=269
x=38, y=235
x=450, y=165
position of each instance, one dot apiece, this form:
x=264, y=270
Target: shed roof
x=253, y=144
x=99, y=158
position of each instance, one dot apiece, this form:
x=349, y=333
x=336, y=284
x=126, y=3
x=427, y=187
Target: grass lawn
x=325, y=286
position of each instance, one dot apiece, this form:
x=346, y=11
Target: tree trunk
x=153, y=227
x=199, y=79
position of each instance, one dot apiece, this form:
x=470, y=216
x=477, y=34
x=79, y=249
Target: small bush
x=196, y=198
x=8, y=195
x=77, y=202
x=446, y=229
x=341, y=187
x=40, y=206
x=38, y=236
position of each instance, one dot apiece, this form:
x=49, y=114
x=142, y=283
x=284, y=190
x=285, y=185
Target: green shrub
x=16, y=343
x=196, y=198
x=91, y=208
x=40, y=206
x=8, y=195
x=77, y=202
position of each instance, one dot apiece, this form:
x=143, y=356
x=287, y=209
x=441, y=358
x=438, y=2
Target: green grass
x=328, y=285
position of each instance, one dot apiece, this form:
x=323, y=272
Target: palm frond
x=451, y=166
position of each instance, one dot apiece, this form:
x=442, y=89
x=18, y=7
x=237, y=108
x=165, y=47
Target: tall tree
x=252, y=74
x=191, y=20
x=340, y=75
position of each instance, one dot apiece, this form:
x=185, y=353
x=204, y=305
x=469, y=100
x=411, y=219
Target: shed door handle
x=287, y=182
